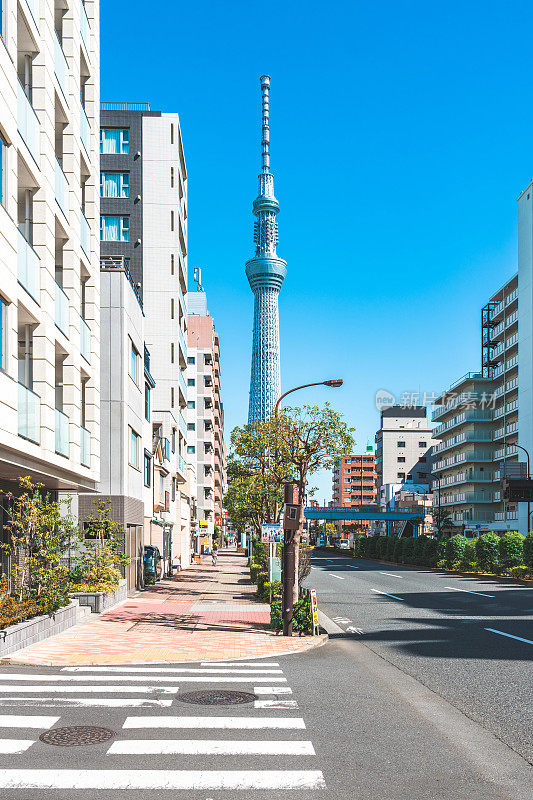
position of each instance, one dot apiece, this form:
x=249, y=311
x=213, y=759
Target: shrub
x=397, y=550
x=13, y=610
x=391, y=544
x=430, y=553
x=362, y=549
x=419, y=548
x=454, y=549
x=372, y=549
x=262, y=578
x=301, y=617
x=488, y=552
x=382, y=545
x=528, y=551
x=408, y=548
x=254, y=569
x=276, y=620
x=511, y=550
x=468, y=559
x=275, y=588
x=518, y=572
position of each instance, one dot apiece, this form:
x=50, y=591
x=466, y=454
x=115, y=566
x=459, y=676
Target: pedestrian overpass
x=369, y=512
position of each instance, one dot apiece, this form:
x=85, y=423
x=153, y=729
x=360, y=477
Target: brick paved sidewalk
x=204, y=613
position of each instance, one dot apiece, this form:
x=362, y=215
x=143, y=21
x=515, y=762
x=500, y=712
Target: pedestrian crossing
x=264, y=744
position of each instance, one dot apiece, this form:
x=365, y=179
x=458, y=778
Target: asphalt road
x=452, y=633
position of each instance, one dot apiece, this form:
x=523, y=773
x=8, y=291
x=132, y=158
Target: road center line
x=391, y=574
x=454, y=589
x=386, y=595
x=509, y=635
x=332, y=575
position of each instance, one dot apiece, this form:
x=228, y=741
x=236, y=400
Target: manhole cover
x=76, y=736
x=218, y=698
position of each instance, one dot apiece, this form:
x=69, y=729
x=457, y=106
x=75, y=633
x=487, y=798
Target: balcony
x=182, y=425
x=503, y=452
x=85, y=235
x=61, y=187
x=183, y=385
x=60, y=67
x=85, y=447
x=33, y=5
x=84, y=27
x=461, y=438
x=29, y=267
x=472, y=516
x=28, y=124
x=474, y=415
x=85, y=130
x=85, y=340
x=182, y=341
x=62, y=443
x=29, y=414
x=502, y=516
x=61, y=310
x=181, y=464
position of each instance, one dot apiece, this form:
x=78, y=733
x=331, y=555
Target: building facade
x=354, y=484
x=403, y=450
x=205, y=419
x=49, y=265
x=143, y=234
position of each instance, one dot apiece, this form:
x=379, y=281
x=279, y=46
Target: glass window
x=173, y=489
x=114, y=184
x=191, y=426
x=191, y=449
x=114, y=140
x=401, y=458
x=134, y=363
x=114, y=229
x=134, y=449
x=191, y=360
x=147, y=469
x=147, y=401
x=422, y=444
x=3, y=333
x=191, y=404
x=401, y=444
x=401, y=475
x=190, y=382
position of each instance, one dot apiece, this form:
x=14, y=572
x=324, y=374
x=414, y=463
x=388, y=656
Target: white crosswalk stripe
x=159, y=725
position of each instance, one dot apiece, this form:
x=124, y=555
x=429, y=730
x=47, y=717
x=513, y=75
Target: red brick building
x=354, y=483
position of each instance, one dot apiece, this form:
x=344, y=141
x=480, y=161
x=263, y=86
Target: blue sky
x=401, y=138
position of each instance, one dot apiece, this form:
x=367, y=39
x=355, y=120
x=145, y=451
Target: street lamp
x=289, y=549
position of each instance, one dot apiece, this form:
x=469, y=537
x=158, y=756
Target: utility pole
x=291, y=523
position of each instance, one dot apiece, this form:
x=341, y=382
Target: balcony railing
x=33, y=5
x=61, y=310
x=85, y=130
x=85, y=447
x=85, y=340
x=182, y=424
x=182, y=341
x=84, y=26
x=62, y=443
x=183, y=385
x=501, y=516
x=60, y=66
x=29, y=414
x=61, y=186
x=29, y=267
x=28, y=124
x=181, y=464
x=85, y=235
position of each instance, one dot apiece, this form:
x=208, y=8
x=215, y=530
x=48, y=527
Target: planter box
x=15, y=637
x=99, y=601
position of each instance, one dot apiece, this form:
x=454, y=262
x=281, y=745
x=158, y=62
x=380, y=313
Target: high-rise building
x=143, y=234
x=205, y=416
x=49, y=267
x=354, y=483
x=265, y=273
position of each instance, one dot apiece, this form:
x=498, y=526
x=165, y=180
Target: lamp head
x=335, y=383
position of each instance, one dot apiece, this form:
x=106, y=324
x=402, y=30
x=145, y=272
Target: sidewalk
x=204, y=613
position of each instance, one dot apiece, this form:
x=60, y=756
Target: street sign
x=270, y=532
x=314, y=610
x=518, y=491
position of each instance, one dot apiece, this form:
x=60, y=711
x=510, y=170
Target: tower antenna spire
x=265, y=139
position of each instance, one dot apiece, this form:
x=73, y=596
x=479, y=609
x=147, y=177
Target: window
x=172, y=264
x=3, y=333
x=147, y=468
x=191, y=449
x=400, y=444
x=173, y=489
x=171, y=308
x=401, y=476
x=191, y=404
x=134, y=363
x=114, y=140
x=422, y=459
x=171, y=220
x=114, y=229
x=134, y=448
x=171, y=133
x=171, y=352
x=161, y=489
x=422, y=444
x=191, y=426
x=114, y=184
x=401, y=458
x=171, y=177
x=171, y=397
x=3, y=149
x=147, y=401
x=173, y=440
x=191, y=360
x=191, y=382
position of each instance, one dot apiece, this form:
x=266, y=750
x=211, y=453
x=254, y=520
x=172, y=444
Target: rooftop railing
x=124, y=106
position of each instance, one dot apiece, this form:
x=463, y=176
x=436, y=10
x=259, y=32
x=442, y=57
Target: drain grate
x=76, y=736
x=217, y=698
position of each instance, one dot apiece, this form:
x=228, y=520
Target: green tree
x=528, y=551
x=253, y=495
x=454, y=550
x=511, y=550
x=101, y=554
x=488, y=551
x=442, y=522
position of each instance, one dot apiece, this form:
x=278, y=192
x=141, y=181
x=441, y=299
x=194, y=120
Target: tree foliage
x=102, y=551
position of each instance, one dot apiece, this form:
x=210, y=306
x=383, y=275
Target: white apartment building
x=49, y=260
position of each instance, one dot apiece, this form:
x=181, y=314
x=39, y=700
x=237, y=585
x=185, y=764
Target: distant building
x=354, y=484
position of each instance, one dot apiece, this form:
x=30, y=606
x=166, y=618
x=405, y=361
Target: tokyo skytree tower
x=265, y=273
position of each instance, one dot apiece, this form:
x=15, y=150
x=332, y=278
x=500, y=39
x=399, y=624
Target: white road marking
x=454, y=589
x=332, y=575
x=386, y=595
x=186, y=780
x=15, y=745
x=4, y=676
x=281, y=705
x=341, y=619
x=272, y=690
x=510, y=635
x=83, y=689
x=242, y=664
x=223, y=747
x=81, y=702
x=391, y=575
x=149, y=671
x=16, y=721
x=352, y=629
x=226, y=723
x=351, y=566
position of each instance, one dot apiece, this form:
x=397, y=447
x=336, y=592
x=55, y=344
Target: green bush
x=254, y=569
x=528, y=551
x=454, y=549
x=511, y=550
x=488, y=552
x=468, y=560
x=408, y=548
x=372, y=549
x=419, y=548
x=397, y=550
x=518, y=572
x=301, y=617
x=262, y=578
x=391, y=544
x=275, y=588
x=276, y=620
x=363, y=547
x=430, y=553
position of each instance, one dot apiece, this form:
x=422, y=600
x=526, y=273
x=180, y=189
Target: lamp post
x=291, y=524
x=528, y=476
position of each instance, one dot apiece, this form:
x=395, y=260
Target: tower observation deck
x=265, y=273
